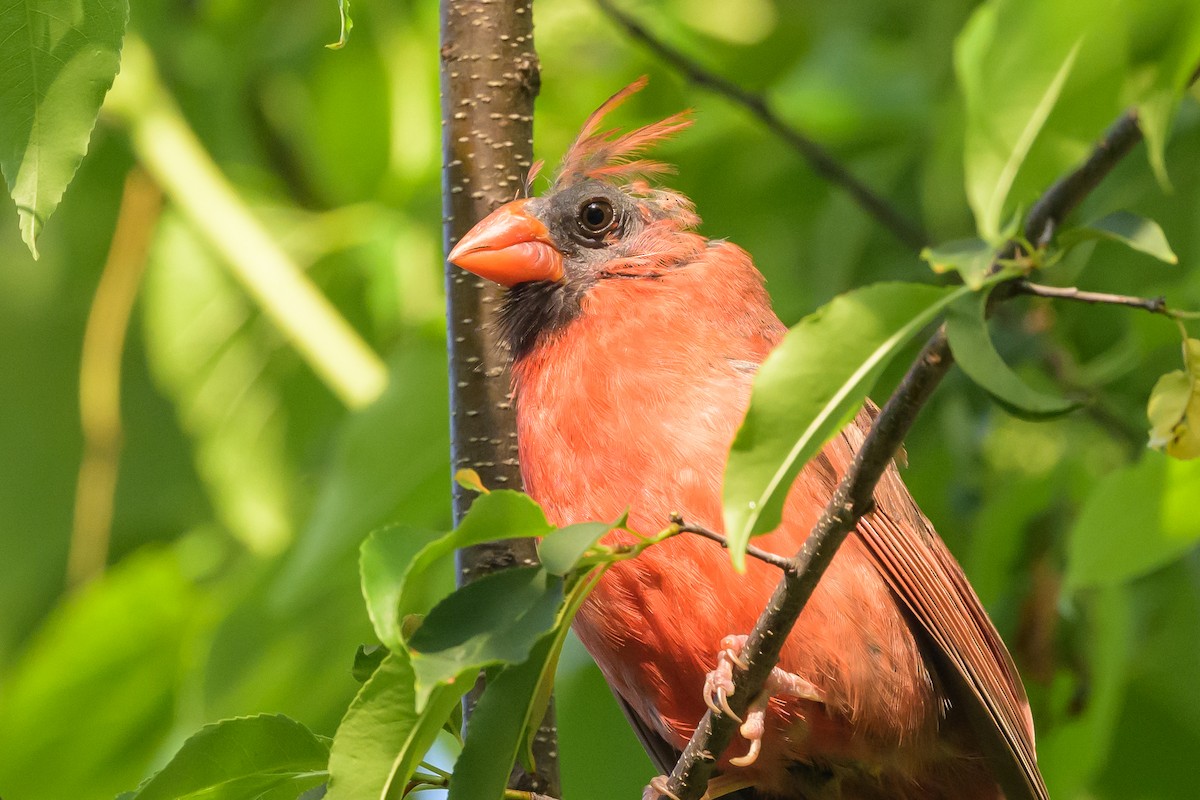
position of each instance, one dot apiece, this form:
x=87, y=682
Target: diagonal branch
x=853, y=497
x=818, y=158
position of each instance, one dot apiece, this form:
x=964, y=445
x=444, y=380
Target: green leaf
x=1136, y=519
x=58, y=59
x=1078, y=747
x=384, y=563
x=366, y=485
x=970, y=258
x=967, y=332
x=809, y=388
x=1167, y=33
x=407, y=571
x=101, y=682
x=561, y=551
x=496, y=619
x=1139, y=233
x=383, y=738
x=494, y=732
x=247, y=758
x=1040, y=82
x=367, y=659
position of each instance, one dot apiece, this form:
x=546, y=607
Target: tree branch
x=818, y=158
x=853, y=497
x=489, y=66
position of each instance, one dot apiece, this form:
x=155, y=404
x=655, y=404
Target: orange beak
x=509, y=246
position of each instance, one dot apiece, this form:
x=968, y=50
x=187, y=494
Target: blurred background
x=240, y=486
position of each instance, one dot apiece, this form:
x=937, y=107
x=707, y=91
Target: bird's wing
x=976, y=666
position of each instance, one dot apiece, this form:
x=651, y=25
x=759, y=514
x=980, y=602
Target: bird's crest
x=613, y=155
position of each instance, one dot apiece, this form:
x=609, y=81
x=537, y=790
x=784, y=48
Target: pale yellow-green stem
x=170, y=151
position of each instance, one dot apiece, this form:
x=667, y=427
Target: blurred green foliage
x=245, y=487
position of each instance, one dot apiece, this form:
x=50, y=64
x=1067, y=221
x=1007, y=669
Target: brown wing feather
x=975, y=664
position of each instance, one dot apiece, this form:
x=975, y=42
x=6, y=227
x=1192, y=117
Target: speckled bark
x=489, y=79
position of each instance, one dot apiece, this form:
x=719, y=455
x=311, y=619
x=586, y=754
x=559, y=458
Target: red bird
x=634, y=343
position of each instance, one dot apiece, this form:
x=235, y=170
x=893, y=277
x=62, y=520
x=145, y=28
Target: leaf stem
x=170, y=151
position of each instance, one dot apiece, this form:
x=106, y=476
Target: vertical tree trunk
x=489, y=78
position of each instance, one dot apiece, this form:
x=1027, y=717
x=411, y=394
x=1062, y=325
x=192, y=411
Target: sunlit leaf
x=389, y=463
x=58, y=59
x=1135, y=519
x=384, y=564
x=268, y=757
x=469, y=479
x=495, y=619
x=100, y=680
x=1174, y=407
x=971, y=344
x=561, y=551
x=383, y=737
x=1040, y=82
x=1139, y=233
x=970, y=258
x=1168, y=33
x=809, y=388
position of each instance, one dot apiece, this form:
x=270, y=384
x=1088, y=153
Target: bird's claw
x=718, y=686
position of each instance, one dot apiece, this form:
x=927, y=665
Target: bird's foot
x=718, y=686
x=717, y=787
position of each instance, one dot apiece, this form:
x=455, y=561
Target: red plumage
x=634, y=352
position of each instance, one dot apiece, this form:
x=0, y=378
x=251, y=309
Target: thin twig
x=1155, y=305
x=853, y=497
x=821, y=161
x=781, y=562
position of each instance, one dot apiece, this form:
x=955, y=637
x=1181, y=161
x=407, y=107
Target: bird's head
x=601, y=219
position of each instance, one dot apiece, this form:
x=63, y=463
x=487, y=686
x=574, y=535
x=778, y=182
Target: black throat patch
x=532, y=309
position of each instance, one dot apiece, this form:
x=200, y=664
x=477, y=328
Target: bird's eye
x=596, y=217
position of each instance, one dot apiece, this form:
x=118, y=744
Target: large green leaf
x=967, y=332
x=94, y=696
x=1040, y=81
x=384, y=563
x=1139, y=233
x=390, y=463
x=58, y=59
x=248, y=758
x=496, y=619
x=809, y=388
x=383, y=737
x=408, y=570
x=494, y=732
x=1166, y=51
x=1135, y=520
x=561, y=551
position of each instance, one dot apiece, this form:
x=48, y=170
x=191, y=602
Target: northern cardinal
x=634, y=343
